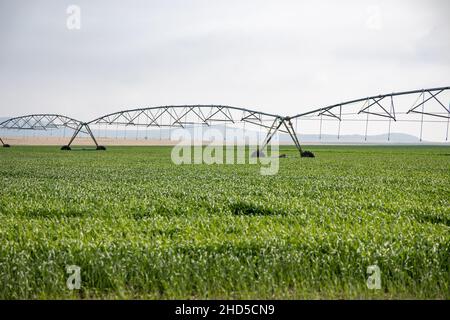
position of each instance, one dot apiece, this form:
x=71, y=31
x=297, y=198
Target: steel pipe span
x=216, y=109
x=40, y=122
x=47, y=121
x=182, y=115
x=376, y=99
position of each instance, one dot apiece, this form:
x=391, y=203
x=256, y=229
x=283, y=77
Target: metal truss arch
x=46, y=121
x=376, y=101
x=429, y=106
x=206, y=114
x=384, y=106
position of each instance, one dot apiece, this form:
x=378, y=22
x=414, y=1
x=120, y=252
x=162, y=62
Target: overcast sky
x=282, y=57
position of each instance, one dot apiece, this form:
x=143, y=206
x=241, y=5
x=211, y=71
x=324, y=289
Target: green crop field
x=139, y=226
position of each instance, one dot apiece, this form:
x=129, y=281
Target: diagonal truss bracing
x=207, y=115
x=40, y=122
x=375, y=105
x=432, y=96
x=47, y=122
x=383, y=106
x=177, y=115
x=390, y=107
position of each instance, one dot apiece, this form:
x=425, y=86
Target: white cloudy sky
x=282, y=57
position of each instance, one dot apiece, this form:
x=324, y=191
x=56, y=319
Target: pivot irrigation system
x=389, y=108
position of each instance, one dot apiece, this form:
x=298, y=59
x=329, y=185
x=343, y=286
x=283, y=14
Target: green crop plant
x=140, y=226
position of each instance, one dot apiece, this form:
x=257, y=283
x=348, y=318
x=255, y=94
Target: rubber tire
x=307, y=154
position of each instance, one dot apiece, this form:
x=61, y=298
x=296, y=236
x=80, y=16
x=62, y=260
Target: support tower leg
x=75, y=134
x=290, y=129
x=278, y=122
x=5, y=145
x=272, y=130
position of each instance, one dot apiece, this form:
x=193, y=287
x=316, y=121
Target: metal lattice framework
x=40, y=122
x=205, y=115
x=381, y=106
x=46, y=122
x=385, y=106
x=181, y=116
x=383, y=112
